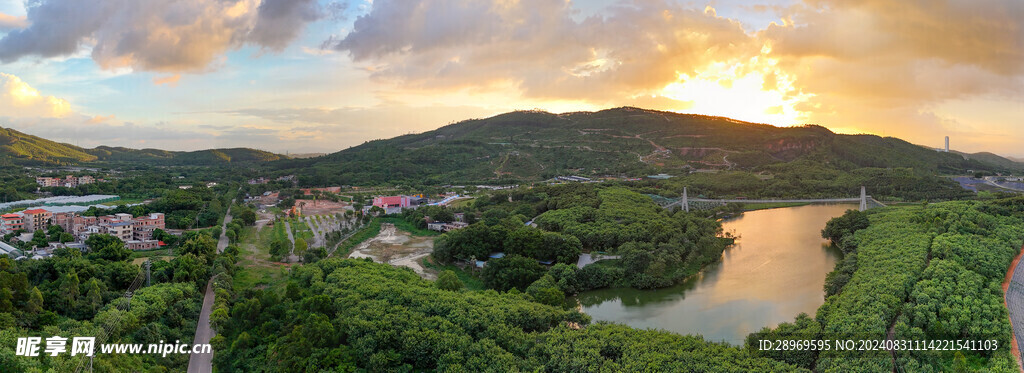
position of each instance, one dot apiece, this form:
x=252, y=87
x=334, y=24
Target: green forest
x=658, y=246
x=76, y=294
x=352, y=315
x=924, y=271
x=930, y=272
x=928, y=267
x=530, y=146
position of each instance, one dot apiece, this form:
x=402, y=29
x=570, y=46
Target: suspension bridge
x=687, y=203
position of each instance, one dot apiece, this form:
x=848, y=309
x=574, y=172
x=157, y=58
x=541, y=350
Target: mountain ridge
x=533, y=145
x=20, y=148
x=530, y=145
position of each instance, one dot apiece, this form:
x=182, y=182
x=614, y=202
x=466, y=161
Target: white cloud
x=19, y=99
x=157, y=35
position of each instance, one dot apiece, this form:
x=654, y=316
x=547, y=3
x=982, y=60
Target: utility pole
x=149, y=263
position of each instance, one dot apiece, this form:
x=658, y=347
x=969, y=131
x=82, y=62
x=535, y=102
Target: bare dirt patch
x=320, y=207
x=397, y=248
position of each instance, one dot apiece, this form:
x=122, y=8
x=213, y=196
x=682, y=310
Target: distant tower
x=947, y=144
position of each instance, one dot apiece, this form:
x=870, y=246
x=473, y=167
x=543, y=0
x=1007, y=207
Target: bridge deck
x=776, y=200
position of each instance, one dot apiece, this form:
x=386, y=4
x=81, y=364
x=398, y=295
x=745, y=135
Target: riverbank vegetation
x=657, y=247
x=351, y=315
x=929, y=272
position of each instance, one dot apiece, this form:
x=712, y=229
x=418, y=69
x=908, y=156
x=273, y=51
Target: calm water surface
x=775, y=271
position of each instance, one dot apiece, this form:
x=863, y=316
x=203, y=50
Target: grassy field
x=301, y=230
x=150, y=253
x=461, y=203
x=257, y=269
x=140, y=260
x=369, y=231
x=409, y=227
x=123, y=201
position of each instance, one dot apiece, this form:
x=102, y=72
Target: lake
x=775, y=271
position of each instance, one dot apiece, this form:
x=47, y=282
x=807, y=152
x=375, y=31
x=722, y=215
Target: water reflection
x=775, y=271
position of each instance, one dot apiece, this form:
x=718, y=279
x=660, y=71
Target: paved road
x=288, y=229
x=992, y=183
x=203, y=363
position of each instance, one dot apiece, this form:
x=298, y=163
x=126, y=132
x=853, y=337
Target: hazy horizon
x=323, y=75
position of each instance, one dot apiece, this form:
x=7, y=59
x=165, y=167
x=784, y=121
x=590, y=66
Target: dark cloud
x=156, y=35
x=280, y=21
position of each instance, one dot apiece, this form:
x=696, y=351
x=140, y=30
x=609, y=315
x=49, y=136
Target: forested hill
x=24, y=149
x=532, y=145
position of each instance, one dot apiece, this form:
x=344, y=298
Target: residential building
x=144, y=226
x=10, y=223
x=137, y=233
x=37, y=219
x=48, y=181
x=65, y=220
x=121, y=229
x=142, y=244
x=445, y=227
x=69, y=181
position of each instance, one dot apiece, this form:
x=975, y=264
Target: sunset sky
x=319, y=76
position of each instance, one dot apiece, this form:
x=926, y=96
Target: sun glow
x=754, y=91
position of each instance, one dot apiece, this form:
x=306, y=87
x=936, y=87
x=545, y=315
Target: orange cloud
x=9, y=22
x=171, y=80
x=100, y=119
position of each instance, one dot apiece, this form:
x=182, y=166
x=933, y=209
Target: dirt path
x=291, y=255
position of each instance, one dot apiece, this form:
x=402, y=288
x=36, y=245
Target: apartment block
x=10, y=223
x=37, y=219
x=69, y=181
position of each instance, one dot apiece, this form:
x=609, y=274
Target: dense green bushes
x=917, y=273
x=76, y=295
x=840, y=230
x=658, y=247
x=346, y=315
x=479, y=241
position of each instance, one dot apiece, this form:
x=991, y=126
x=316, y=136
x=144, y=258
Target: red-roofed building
x=37, y=219
x=10, y=223
x=393, y=201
